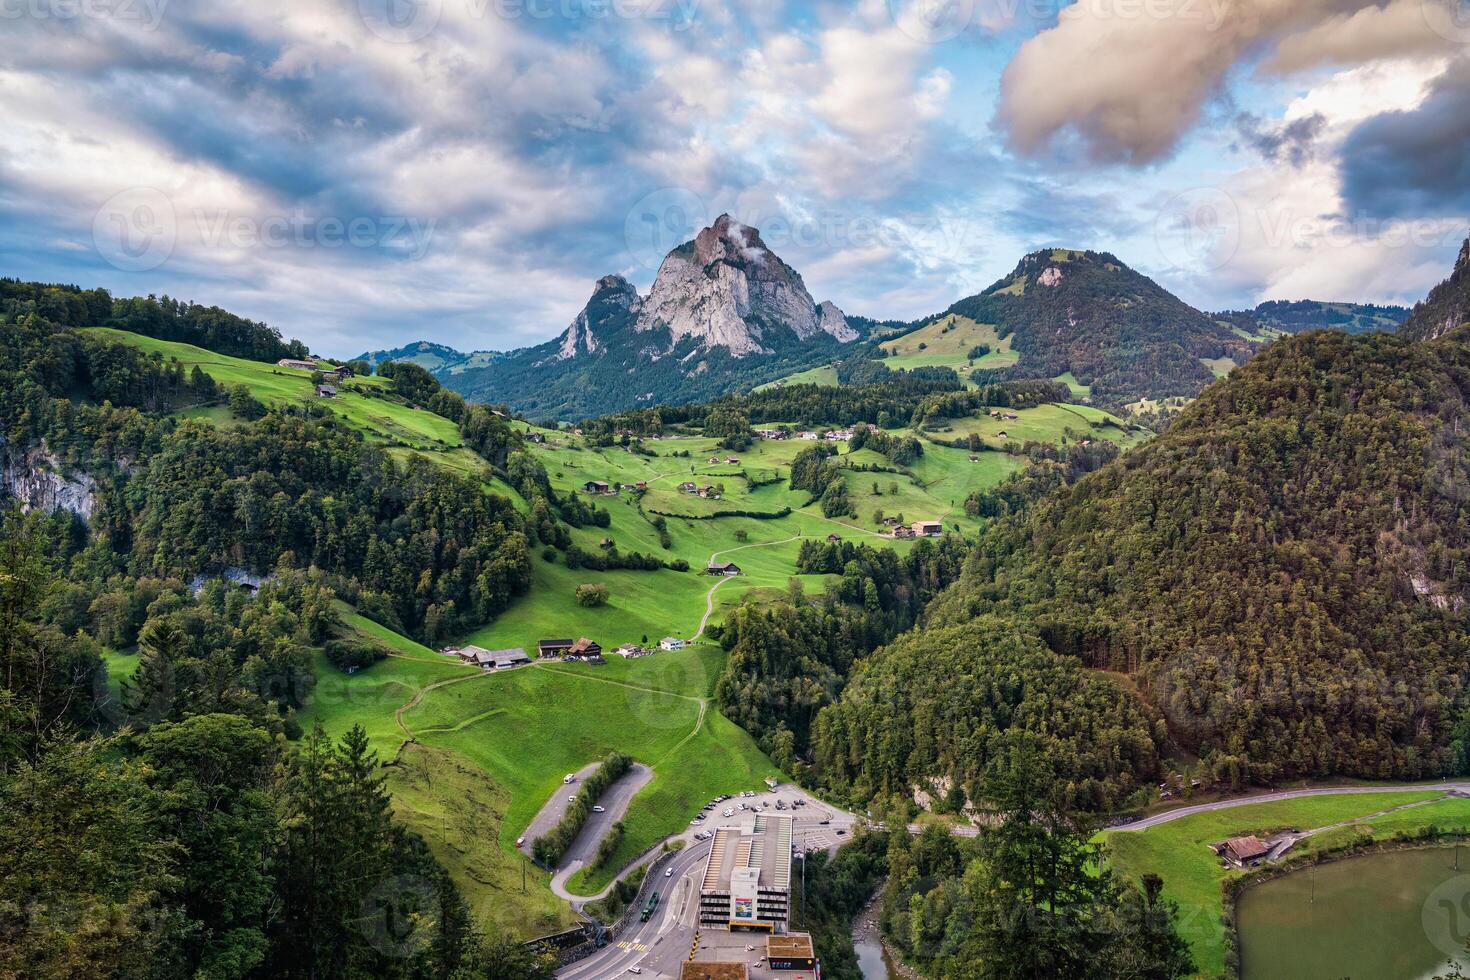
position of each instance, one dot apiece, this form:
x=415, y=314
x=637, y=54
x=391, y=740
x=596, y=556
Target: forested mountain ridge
x=1283, y=571
x=1296, y=316
x=1112, y=328
x=436, y=358
x=1446, y=307
x=183, y=823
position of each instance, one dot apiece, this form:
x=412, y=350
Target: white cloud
x=1149, y=73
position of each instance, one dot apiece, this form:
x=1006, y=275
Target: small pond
x=1398, y=915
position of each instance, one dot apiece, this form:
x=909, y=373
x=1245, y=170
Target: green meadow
x=1053, y=423
x=825, y=376
x=947, y=342
x=1178, y=851
x=380, y=419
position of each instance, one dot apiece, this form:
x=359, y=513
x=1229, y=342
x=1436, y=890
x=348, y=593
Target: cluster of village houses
x=329, y=372
x=833, y=435
x=582, y=649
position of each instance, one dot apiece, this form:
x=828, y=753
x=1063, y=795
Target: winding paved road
x=614, y=801
x=1185, y=811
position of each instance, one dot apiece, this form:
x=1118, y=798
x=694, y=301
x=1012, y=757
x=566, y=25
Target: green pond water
x=1392, y=916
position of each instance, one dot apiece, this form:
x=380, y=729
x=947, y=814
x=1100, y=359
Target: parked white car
x=598, y=809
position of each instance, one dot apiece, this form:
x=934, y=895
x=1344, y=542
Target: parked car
x=598, y=809
x=520, y=842
x=569, y=778
x=571, y=799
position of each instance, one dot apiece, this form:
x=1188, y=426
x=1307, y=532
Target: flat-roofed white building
x=747, y=880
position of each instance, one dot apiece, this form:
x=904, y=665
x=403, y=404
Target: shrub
x=350, y=655
x=592, y=594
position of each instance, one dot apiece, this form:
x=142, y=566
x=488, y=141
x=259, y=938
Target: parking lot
x=817, y=826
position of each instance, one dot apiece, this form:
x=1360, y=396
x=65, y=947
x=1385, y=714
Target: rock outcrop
x=36, y=479
x=613, y=298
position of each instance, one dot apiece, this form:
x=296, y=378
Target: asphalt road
x=555, y=808
x=1185, y=811
x=614, y=802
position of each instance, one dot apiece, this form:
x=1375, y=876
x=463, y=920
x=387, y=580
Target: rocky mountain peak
x=726, y=288
x=614, y=300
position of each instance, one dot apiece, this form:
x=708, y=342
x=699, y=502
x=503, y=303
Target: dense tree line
x=196, y=841
x=1051, y=468
x=934, y=706
x=432, y=548
x=1031, y=897
x=1283, y=571
x=166, y=319
x=833, y=891
x=900, y=450
x=789, y=659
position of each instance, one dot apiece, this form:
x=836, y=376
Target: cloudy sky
x=362, y=173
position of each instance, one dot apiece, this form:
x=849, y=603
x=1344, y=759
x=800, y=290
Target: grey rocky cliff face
x=724, y=285
x=832, y=321
x=579, y=338
x=34, y=478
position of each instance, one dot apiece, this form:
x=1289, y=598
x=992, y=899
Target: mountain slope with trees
x=1283, y=572
x=1446, y=307
x=1297, y=316
x=1112, y=328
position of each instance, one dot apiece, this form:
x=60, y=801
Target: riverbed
x=1397, y=915
x=868, y=942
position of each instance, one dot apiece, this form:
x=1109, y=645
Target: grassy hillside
x=1045, y=423
x=476, y=755
x=947, y=342
x=825, y=375
x=381, y=420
